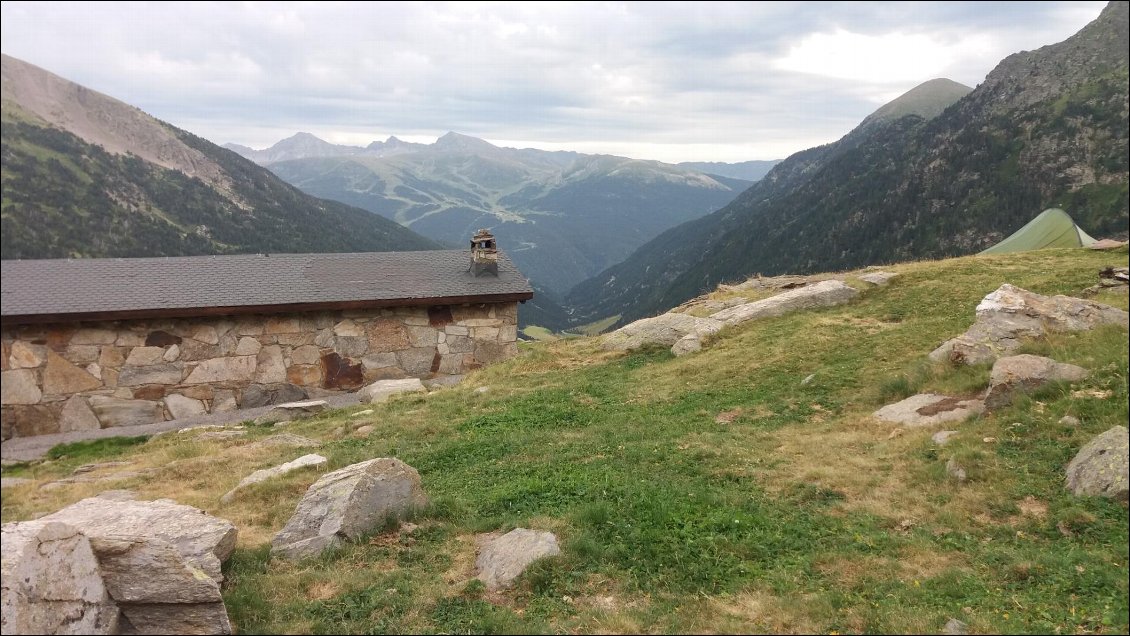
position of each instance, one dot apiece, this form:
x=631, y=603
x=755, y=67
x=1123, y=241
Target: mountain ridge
x=563, y=216
x=86, y=175
x=1047, y=128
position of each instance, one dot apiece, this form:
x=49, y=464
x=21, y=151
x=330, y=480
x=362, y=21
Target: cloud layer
x=676, y=82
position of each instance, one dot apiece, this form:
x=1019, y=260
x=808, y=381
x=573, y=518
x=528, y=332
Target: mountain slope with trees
x=1047, y=128
x=85, y=175
x=562, y=216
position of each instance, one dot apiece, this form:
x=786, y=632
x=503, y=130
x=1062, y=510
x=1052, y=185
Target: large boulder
x=204, y=541
x=292, y=411
x=1101, y=467
x=663, y=330
x=160, y=561
x=51, y=582
x=692, y=342
x=258, y=476
x=348, y=503
x=1010, y=315
x=823, y=294
x=382, y=390
x=1026, y=373
x=503, y=558
x=928, y=409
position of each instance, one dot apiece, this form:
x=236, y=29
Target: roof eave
x=197, y=312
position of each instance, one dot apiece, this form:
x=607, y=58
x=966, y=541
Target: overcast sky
x=668, y=81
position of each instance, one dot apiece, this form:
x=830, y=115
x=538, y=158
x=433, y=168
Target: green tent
x=1053, y=228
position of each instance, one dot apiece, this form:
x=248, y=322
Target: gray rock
x=348, y=503
x=144, y=356
x=955, y=627
x=416, y=361
x=51, y=582
x=878, y=278
x=362, y=431
x=382, y=390
x=808, y=379
x=955, y=470
x=151, y=374
x=203, y=540
x=1025, y=373
x=443, y=381
x=1101, y=467
x=1010, y=315
x=941, y=438
x=1069, y=420
x=77, y=416
x=291, y=411
x=270, y=368
x=664, y=330
x=229, y=369
x=306, y=461
x=182, y=618
x=823, y=294
x=248, y=346
x=145, y=569
x=112, y=411
x=180, y=406
x=257, y=395
x=928, y=409
x=692, y=342
x=362, y=413
x=482, y=389
x=19, y=387
x=503, y=558
x=284, y=439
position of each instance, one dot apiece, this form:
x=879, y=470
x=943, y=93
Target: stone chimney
x=484, y=254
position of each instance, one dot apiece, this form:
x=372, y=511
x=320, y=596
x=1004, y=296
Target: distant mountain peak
x=927, y=100
x=457, y=141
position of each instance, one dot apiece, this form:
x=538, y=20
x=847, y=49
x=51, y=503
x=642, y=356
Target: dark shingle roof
x=194, y=285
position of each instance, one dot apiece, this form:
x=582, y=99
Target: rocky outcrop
x=823, y=294
x=348, y=503
x=306, y=461
x=503, y=558
x=51, y=582
x=692, y=342
x=664, y=330
x=157, y=562
x=1102, y=467
x=202, y=540
x=928, y=409
x=1025, y=373
x=878, y=278
x=1010, y=315
x=292, y=411
x=382, y=390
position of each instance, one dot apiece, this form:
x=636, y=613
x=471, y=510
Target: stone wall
x=69, y=377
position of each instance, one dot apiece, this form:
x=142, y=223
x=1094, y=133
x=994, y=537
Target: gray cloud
x=682, y=81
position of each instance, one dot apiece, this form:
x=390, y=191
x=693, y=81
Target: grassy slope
x=801, y=514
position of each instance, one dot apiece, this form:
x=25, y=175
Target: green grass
x=597, y=327
x=801, y=514
x=540, y=334
x=92, y=450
